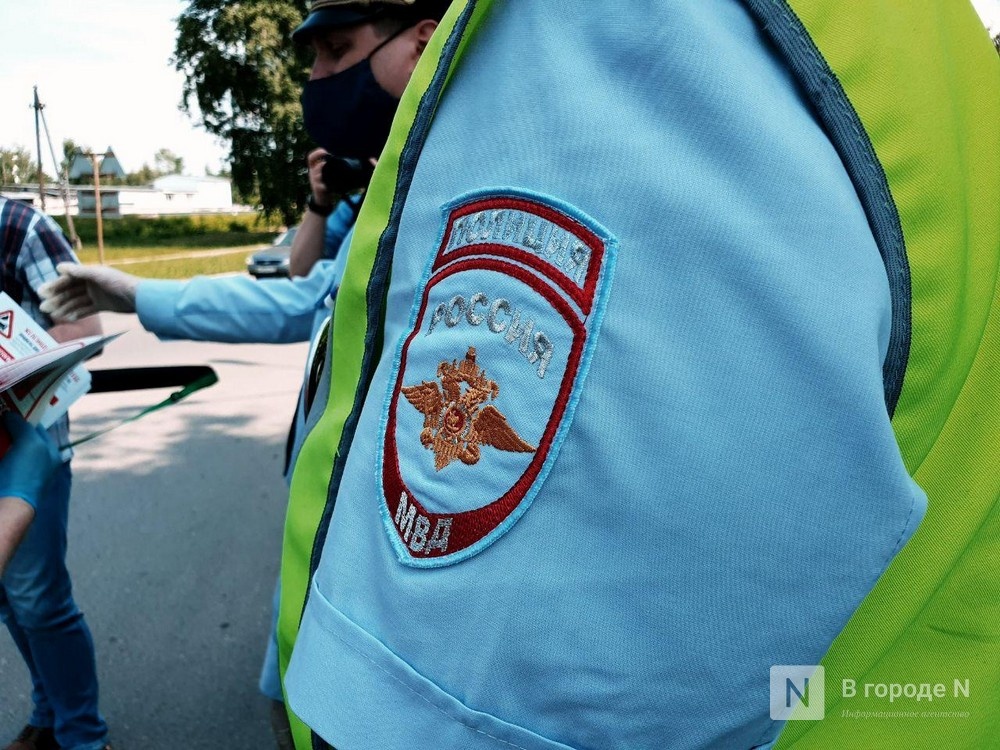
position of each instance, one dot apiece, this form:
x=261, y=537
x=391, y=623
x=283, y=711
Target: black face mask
x=349, y=113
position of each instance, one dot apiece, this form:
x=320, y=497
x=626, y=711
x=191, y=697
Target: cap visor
x=328, y=18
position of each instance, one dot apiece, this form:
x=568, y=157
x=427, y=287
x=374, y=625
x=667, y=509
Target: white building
x=171, y=194
x=195, y=195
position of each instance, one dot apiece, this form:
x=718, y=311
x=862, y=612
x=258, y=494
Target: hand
x=315, y=162
x=26, y=468
x=85, y=290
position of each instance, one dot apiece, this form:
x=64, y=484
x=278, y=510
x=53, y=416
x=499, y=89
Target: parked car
x=272, y=261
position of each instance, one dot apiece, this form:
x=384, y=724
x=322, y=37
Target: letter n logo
x=797, y=693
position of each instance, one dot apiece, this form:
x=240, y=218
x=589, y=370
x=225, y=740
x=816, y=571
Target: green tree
x=17, y=167
x=245, y=76
x=167, y=162
x=142, y=176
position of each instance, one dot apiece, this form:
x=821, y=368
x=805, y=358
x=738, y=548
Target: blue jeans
x=36, y=604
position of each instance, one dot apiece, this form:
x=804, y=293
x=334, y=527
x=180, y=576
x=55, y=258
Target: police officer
x=633, y=417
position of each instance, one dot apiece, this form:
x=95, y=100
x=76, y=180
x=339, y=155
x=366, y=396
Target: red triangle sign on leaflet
x=6, y=323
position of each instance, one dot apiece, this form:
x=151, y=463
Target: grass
x=192, y=231
x=205, y=254
x=189, y=242
x=185, y=268
x=114, y=252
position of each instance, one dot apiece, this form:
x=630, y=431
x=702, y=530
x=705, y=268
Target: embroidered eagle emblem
x=456, y=422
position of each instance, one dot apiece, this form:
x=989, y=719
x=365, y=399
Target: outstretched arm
x=229, y=309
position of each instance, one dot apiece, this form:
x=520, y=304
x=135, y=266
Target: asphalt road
x=175, y=536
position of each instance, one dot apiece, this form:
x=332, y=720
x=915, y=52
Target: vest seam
x=846, y=132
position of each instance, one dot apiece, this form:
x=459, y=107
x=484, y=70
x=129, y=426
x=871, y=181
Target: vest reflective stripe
x=935, y=614
x=317, y=472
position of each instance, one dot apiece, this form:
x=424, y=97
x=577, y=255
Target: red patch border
x=583, y=297
x=471, y=527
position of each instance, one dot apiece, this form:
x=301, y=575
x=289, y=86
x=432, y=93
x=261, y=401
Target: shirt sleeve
x=235, y=309
x=45, y=247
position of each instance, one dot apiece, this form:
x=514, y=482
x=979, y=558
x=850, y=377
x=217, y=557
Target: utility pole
x=97, y=207
x=110, y=166
x=37, y=106
x=63, y=177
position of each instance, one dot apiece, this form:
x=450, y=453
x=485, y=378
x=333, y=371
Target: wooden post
x=97, y=208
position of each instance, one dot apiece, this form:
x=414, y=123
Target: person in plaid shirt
x=36, y=600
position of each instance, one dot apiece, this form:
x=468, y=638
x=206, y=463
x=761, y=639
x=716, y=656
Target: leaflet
x=40, y=378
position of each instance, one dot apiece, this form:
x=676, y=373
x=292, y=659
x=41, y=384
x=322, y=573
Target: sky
x=989, y=11
x=102, y=71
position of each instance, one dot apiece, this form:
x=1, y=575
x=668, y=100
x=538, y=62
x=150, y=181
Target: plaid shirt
x=31, y=245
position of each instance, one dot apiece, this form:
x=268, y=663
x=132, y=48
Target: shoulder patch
x=487, y=378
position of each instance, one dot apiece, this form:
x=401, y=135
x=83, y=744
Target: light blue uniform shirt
x=601, y=530
x=239, y=309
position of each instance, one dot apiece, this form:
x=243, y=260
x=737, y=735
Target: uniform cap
x=330, y=14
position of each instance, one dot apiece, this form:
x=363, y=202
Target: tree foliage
x=144, y=175
x=17, y=167
x=167, y=162
x=245, y=76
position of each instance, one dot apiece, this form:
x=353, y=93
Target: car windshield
x=286, y=238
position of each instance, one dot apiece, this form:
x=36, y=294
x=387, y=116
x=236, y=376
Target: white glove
x=85, y=290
